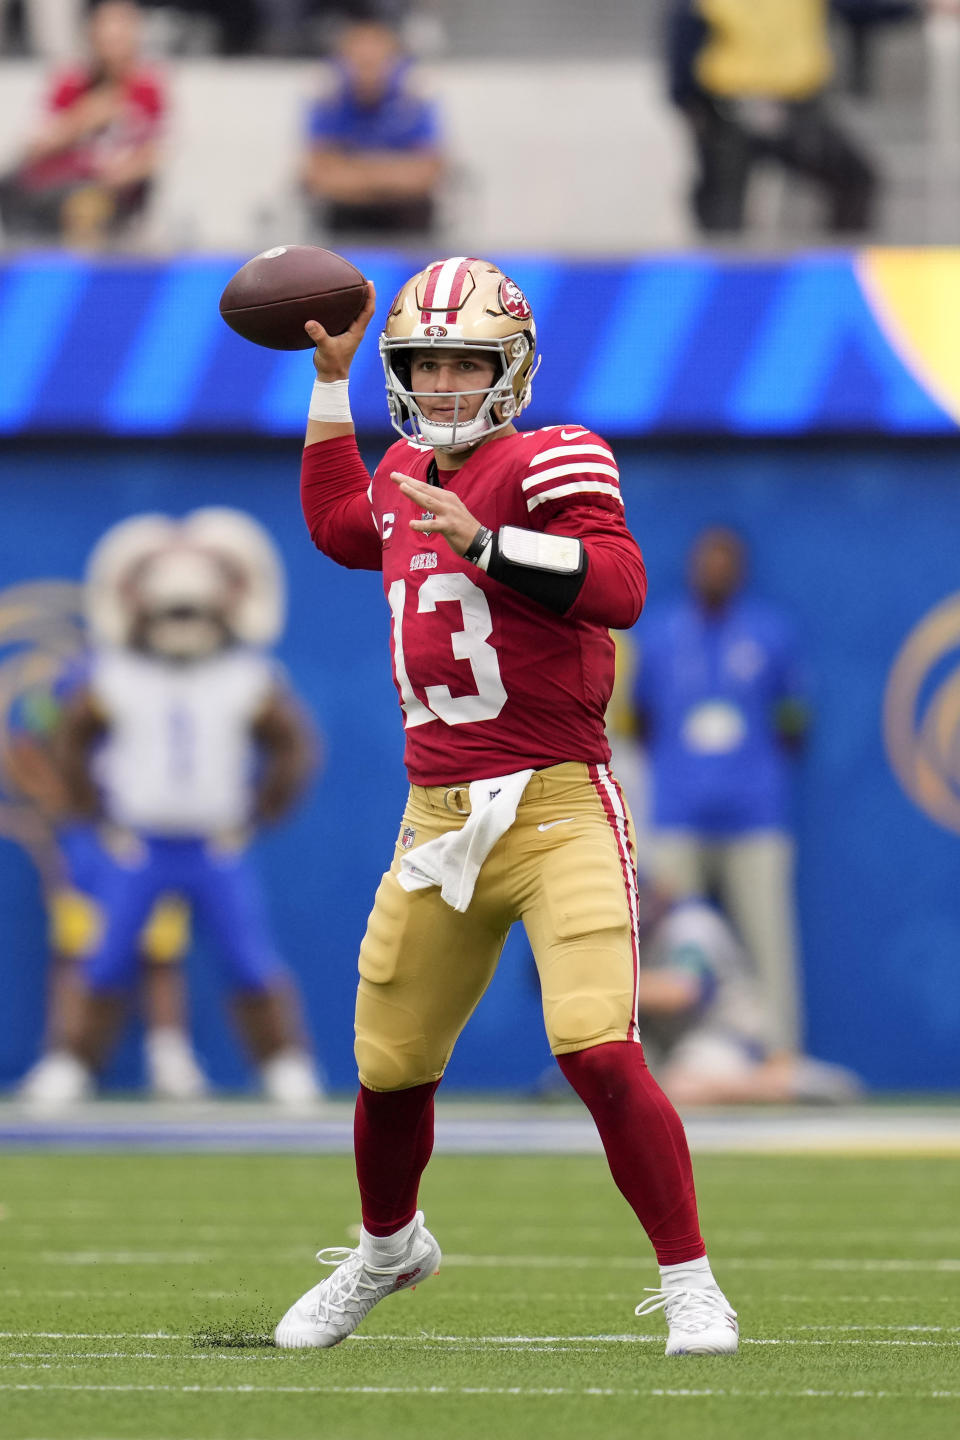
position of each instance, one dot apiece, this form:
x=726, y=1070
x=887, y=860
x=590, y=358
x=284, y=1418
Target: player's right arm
x=287, y=752
x=334, y=483
x=332, y=359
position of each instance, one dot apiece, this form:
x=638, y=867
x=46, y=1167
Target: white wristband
x=330, y=402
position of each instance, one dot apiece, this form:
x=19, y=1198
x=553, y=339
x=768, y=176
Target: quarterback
x=506, y=561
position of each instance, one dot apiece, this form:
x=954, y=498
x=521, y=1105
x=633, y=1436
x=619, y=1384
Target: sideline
x=472, y=1128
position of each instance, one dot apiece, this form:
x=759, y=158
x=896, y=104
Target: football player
x=506, y=561
x=69, y=857
x=182, y=739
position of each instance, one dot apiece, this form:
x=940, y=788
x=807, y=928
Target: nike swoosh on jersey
x=549, y=824
x=572, y=434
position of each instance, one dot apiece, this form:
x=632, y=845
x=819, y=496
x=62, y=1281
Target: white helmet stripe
x=439, y=294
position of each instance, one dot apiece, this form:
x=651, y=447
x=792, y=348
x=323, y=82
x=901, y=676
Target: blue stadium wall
x=855, y=537
x=855, y=541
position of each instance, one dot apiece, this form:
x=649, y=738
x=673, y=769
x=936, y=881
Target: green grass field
x=139, y=1292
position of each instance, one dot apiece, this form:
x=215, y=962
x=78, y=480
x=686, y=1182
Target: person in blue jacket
x=720, y=708
x=373, y=161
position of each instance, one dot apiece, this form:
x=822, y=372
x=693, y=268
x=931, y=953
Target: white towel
x=453, y=861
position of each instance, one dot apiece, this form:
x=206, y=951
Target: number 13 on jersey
x=472, y=644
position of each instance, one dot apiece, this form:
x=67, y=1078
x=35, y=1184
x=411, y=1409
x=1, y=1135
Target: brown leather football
x=269, y=299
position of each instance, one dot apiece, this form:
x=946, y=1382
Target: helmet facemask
x=459, y=304
x=181, y=602
x=498, y=409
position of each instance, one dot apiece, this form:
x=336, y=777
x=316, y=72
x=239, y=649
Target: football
x=269, y=299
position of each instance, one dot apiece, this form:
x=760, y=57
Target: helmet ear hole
x=403, y=367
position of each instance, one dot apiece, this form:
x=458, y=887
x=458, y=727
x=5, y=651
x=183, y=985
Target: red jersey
x=489, y=681
x=139, y=120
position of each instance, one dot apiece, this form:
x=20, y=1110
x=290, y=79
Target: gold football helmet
x=460, y=303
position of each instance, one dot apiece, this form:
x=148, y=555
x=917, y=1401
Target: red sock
x=645, y=1144
x=392, y=1141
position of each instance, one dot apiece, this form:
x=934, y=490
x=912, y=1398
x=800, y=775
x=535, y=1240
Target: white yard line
x=494, y=1390
x=517, y=1262
x=751, y=1262
x=555, y=1343
x=130, y=1257
x=88, y=1294
x=90, y=1335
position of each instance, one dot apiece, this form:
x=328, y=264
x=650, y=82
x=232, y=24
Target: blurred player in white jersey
x=42, y=639
x=506, y=561
x=180, y=739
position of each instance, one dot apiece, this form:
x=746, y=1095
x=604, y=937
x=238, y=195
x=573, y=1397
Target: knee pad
x=75, y=923
x=391, y=1049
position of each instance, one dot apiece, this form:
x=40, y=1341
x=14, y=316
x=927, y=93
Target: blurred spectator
x=751, y=77
x=87, y=172
x=704, y=1026
x=373, y=162
x=178, y=740
x=720, y=707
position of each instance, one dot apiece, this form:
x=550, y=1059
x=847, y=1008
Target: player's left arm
x=82, y=726
x=289, y=755
x=614, y=583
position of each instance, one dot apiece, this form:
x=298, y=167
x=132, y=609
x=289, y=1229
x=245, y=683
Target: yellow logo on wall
x=914, y=295
x=921, y=714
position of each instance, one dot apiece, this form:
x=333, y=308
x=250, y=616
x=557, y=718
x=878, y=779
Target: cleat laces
x=689, y=1310
x=348, y=1287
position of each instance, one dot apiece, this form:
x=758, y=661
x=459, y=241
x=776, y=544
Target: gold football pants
x=566, y=868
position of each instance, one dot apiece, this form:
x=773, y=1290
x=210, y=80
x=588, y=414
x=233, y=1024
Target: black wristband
x=478, y=544
x=552, y=591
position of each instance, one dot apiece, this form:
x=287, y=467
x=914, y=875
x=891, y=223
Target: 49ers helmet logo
x=436, y=332
x=513, y=300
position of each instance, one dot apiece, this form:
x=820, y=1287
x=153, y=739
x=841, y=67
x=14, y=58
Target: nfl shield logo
x=407, y=837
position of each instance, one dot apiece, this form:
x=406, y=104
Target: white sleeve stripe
x=558, y=471
x=563, y=452
x=581, y=489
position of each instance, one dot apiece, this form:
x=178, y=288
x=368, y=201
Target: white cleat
x=333, y=1309
x=700, y=1322
x=172, y=1068
x=58, y=1079
x=290, y=1079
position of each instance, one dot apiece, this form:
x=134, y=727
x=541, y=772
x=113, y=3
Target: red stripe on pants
x=606, y=788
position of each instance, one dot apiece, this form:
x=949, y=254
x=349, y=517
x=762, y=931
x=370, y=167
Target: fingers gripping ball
x=270, y=298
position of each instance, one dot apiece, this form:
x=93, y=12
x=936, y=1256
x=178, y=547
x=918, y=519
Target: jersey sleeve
x=572, y=487
x=335, y=496
x=65, y=89
x=149, y=95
